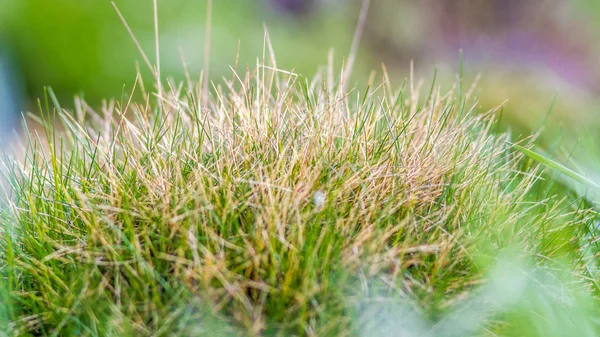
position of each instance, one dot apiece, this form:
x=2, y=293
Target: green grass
x=278, y=205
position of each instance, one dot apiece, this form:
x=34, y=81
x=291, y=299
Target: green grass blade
x=555, y=166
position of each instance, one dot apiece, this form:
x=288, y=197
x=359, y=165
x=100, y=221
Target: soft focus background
x=526, y=51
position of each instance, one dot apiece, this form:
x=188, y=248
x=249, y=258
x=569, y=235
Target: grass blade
x=555, y=166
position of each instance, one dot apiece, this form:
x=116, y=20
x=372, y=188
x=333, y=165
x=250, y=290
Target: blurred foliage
x=84, y=47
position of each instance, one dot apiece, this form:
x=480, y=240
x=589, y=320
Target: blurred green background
x=526, y=51
x=82, y=46
x=78, y=46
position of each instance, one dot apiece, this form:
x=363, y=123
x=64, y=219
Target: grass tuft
x=280, y=205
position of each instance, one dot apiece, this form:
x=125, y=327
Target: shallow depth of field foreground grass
x=280, y=205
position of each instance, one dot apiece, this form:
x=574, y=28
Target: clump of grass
x=273, y=205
